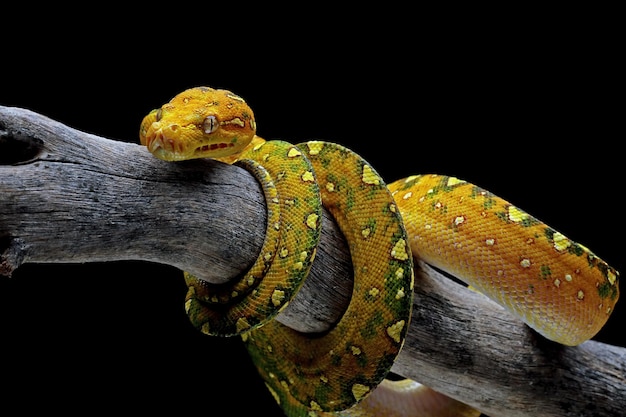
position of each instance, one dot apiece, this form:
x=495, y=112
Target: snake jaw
x=169, y=144
x=164, y=143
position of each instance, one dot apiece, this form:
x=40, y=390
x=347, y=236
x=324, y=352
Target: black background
x=525, y=108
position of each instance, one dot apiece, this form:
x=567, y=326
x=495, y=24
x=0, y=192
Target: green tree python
x=555, y=285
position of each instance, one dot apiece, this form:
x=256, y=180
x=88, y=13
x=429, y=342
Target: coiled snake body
x=557, y=286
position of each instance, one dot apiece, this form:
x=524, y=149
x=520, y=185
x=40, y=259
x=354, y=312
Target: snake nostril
x=158, y=141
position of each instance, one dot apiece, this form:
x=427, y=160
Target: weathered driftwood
x=105, y=200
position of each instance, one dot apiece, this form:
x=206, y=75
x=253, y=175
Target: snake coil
x=555, y=285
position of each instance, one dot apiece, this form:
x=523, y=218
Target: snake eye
x=210, y=124
x=158, y=115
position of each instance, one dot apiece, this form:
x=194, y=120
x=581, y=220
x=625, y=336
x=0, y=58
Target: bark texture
x=68, y=196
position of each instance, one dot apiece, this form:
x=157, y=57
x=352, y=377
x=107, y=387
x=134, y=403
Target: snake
x=558, y=287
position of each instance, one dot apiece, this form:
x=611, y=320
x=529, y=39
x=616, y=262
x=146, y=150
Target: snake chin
x=157, y=149
x=166, y=149
x=168, y=156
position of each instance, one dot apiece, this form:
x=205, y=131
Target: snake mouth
x=165, y=148
x=169, y=149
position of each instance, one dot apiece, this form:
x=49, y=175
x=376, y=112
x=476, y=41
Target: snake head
x=200, y=122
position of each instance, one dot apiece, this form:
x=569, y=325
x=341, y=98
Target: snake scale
x=555, y=285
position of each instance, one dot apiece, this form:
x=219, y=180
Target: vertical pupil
x=210, y=124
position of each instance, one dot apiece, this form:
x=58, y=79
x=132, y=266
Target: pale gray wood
x=464, y=345
x=67, y=196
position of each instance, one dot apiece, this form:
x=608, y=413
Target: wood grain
x=68, y=196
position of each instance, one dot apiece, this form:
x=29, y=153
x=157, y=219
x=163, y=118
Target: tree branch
x=104, y=200
x=464, y=345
